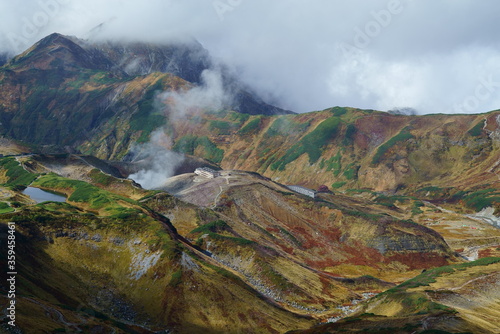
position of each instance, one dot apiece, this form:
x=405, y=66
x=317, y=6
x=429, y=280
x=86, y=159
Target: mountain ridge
x=184, y=59
x=291, y=257
x=403, y=200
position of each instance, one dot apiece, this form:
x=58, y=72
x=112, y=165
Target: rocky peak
x=186, y=59
x=60, y=52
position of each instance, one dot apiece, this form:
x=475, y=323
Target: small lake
x=39, y=195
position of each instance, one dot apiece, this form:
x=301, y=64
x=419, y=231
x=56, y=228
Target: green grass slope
x=105, y=261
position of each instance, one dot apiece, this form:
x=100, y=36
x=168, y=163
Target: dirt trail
x=472, y=240
x=473, y=280
x=4, y=193
x=70, y=326
x=217, y=197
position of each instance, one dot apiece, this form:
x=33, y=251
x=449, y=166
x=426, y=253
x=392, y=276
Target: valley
x=311, y=260
x=401, y=234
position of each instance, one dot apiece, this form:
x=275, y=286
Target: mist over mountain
x=34, y=80
x=3, y=58
x=186, y=59
x=430, y=56
x=103, y=98
x=190, y=205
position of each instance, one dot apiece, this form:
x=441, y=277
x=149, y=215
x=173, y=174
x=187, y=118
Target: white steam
x=209, y=95
x=159, y=162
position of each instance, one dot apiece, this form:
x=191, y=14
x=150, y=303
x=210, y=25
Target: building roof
x=206, y=169
x=303, y=188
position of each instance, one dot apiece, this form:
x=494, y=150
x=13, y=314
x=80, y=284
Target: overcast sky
x=437, y=56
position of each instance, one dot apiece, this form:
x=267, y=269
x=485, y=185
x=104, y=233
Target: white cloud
x=209, y=95
x=428, y=54
x=430, y=84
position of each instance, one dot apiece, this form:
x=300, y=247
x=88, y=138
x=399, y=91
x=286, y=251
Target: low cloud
x=426, y=55
x=428, y=84
x=210, y=94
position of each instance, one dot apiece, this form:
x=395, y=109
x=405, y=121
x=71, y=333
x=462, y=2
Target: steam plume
x=160, y=162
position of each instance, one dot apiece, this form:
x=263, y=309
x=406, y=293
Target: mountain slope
x=113, y=242
x=331, y=231
x=453, y=299
x=57, y=52
x=349, y=148
x=65, y=92
x=77, y=96
x=105, y=260
x=239, y=252
x=185, y=59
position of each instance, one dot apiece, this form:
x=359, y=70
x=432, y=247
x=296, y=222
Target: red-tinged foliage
x=260, y=319
x=491, y=122
x=242, y=317
x=289, y=250
x=332, y=234
x=331, y=274
x=326, y=284
x=381, y=127
x=310, y=241
x=419, y=260
x=485, y=253
x=313, y=243
x=321, y=264
x=322, y=252
x=362, y=255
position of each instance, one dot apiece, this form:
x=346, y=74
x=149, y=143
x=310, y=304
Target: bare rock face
x=493, y=126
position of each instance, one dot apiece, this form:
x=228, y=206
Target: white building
x=303, y=191
x=207, y=172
